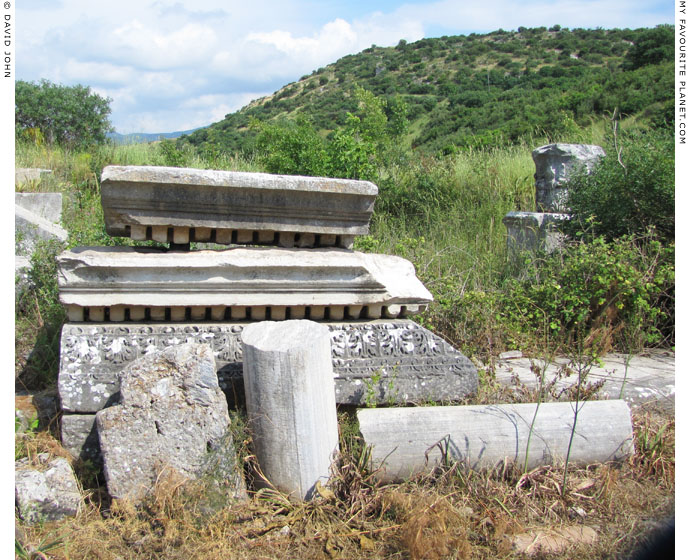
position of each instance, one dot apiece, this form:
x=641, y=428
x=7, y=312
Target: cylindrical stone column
x=290, y=394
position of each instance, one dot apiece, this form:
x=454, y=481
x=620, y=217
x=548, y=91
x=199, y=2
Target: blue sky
x=175, y=65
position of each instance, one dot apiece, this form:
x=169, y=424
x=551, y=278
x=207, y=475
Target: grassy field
x=445, y=216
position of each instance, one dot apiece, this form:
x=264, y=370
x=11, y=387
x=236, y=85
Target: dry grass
x=450, y=514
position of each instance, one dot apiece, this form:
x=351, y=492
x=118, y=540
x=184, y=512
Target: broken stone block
x=28, y=174
x=288, y=381
x=555, y=164
x=172, y=417
x=233, y=207
x=534, y=231
x=80, y=437
x=47, y=493
x=46, y=205
x=246, y=282
x=30, y=227
x=409, y=441
x=373, y=361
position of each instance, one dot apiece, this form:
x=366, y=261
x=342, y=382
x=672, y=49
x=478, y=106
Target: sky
x=171, y=65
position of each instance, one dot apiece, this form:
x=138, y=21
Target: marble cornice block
x=179, y=205
x=138, y=283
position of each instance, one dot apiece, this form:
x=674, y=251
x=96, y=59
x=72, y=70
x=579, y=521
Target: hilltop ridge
x=478, y=90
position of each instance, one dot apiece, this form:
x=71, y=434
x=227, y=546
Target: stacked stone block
x=294, y=261
x=555, y=164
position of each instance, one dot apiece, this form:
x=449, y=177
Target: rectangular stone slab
x=168, y=282
x=376, y=361
x=137, y=199
x=408, y=441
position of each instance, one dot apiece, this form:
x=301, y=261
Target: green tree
x=67, y=115
x=291, y=147
x=652, y=47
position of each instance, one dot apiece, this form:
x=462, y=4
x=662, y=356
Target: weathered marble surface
x=47, y=492
x=46, y=205
x=534, y=231
x=381, y=361
x=408, y=441
x=555, y=164
x=172, y=419
x=291, y=412
x=238, y=283
x=31, y=227
x=182, y=204
x=28, y=174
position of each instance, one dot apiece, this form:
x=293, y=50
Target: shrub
x=627, y=194
x=652, y=47
x=69, y=115
x=619, y=292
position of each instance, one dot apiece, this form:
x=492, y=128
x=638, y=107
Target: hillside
x=479, y=89
x=141, y=137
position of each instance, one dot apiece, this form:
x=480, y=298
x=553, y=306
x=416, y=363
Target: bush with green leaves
x=357, y=150
x=38, y=311
x=653, y=46
x=630, y=190
x=68, y=115
x=607, y=293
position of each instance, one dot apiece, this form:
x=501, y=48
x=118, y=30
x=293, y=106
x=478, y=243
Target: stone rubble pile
x=127, y=304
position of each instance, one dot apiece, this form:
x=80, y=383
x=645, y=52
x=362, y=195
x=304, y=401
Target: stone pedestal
x=555, y=164
x=533, y=231
x=288, y=381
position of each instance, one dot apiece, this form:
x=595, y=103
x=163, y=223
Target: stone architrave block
x=30, y=227
x=233, y=207
x=382, y=361
x=288, y=381
x=240, y=283
x=47, y=493
x=555, y=164
x=172, y=416
x=534, y=231
x=409, y=441
x=46, y=205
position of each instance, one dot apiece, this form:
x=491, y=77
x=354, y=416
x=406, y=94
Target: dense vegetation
x=478, y=90
x=65, y=115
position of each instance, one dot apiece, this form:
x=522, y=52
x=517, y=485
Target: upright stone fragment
x=290, y=395
x=408, y=441
x=48, y=492
x=235, y=207
x=555, y=164
x=172, y=415
x=247, y=283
